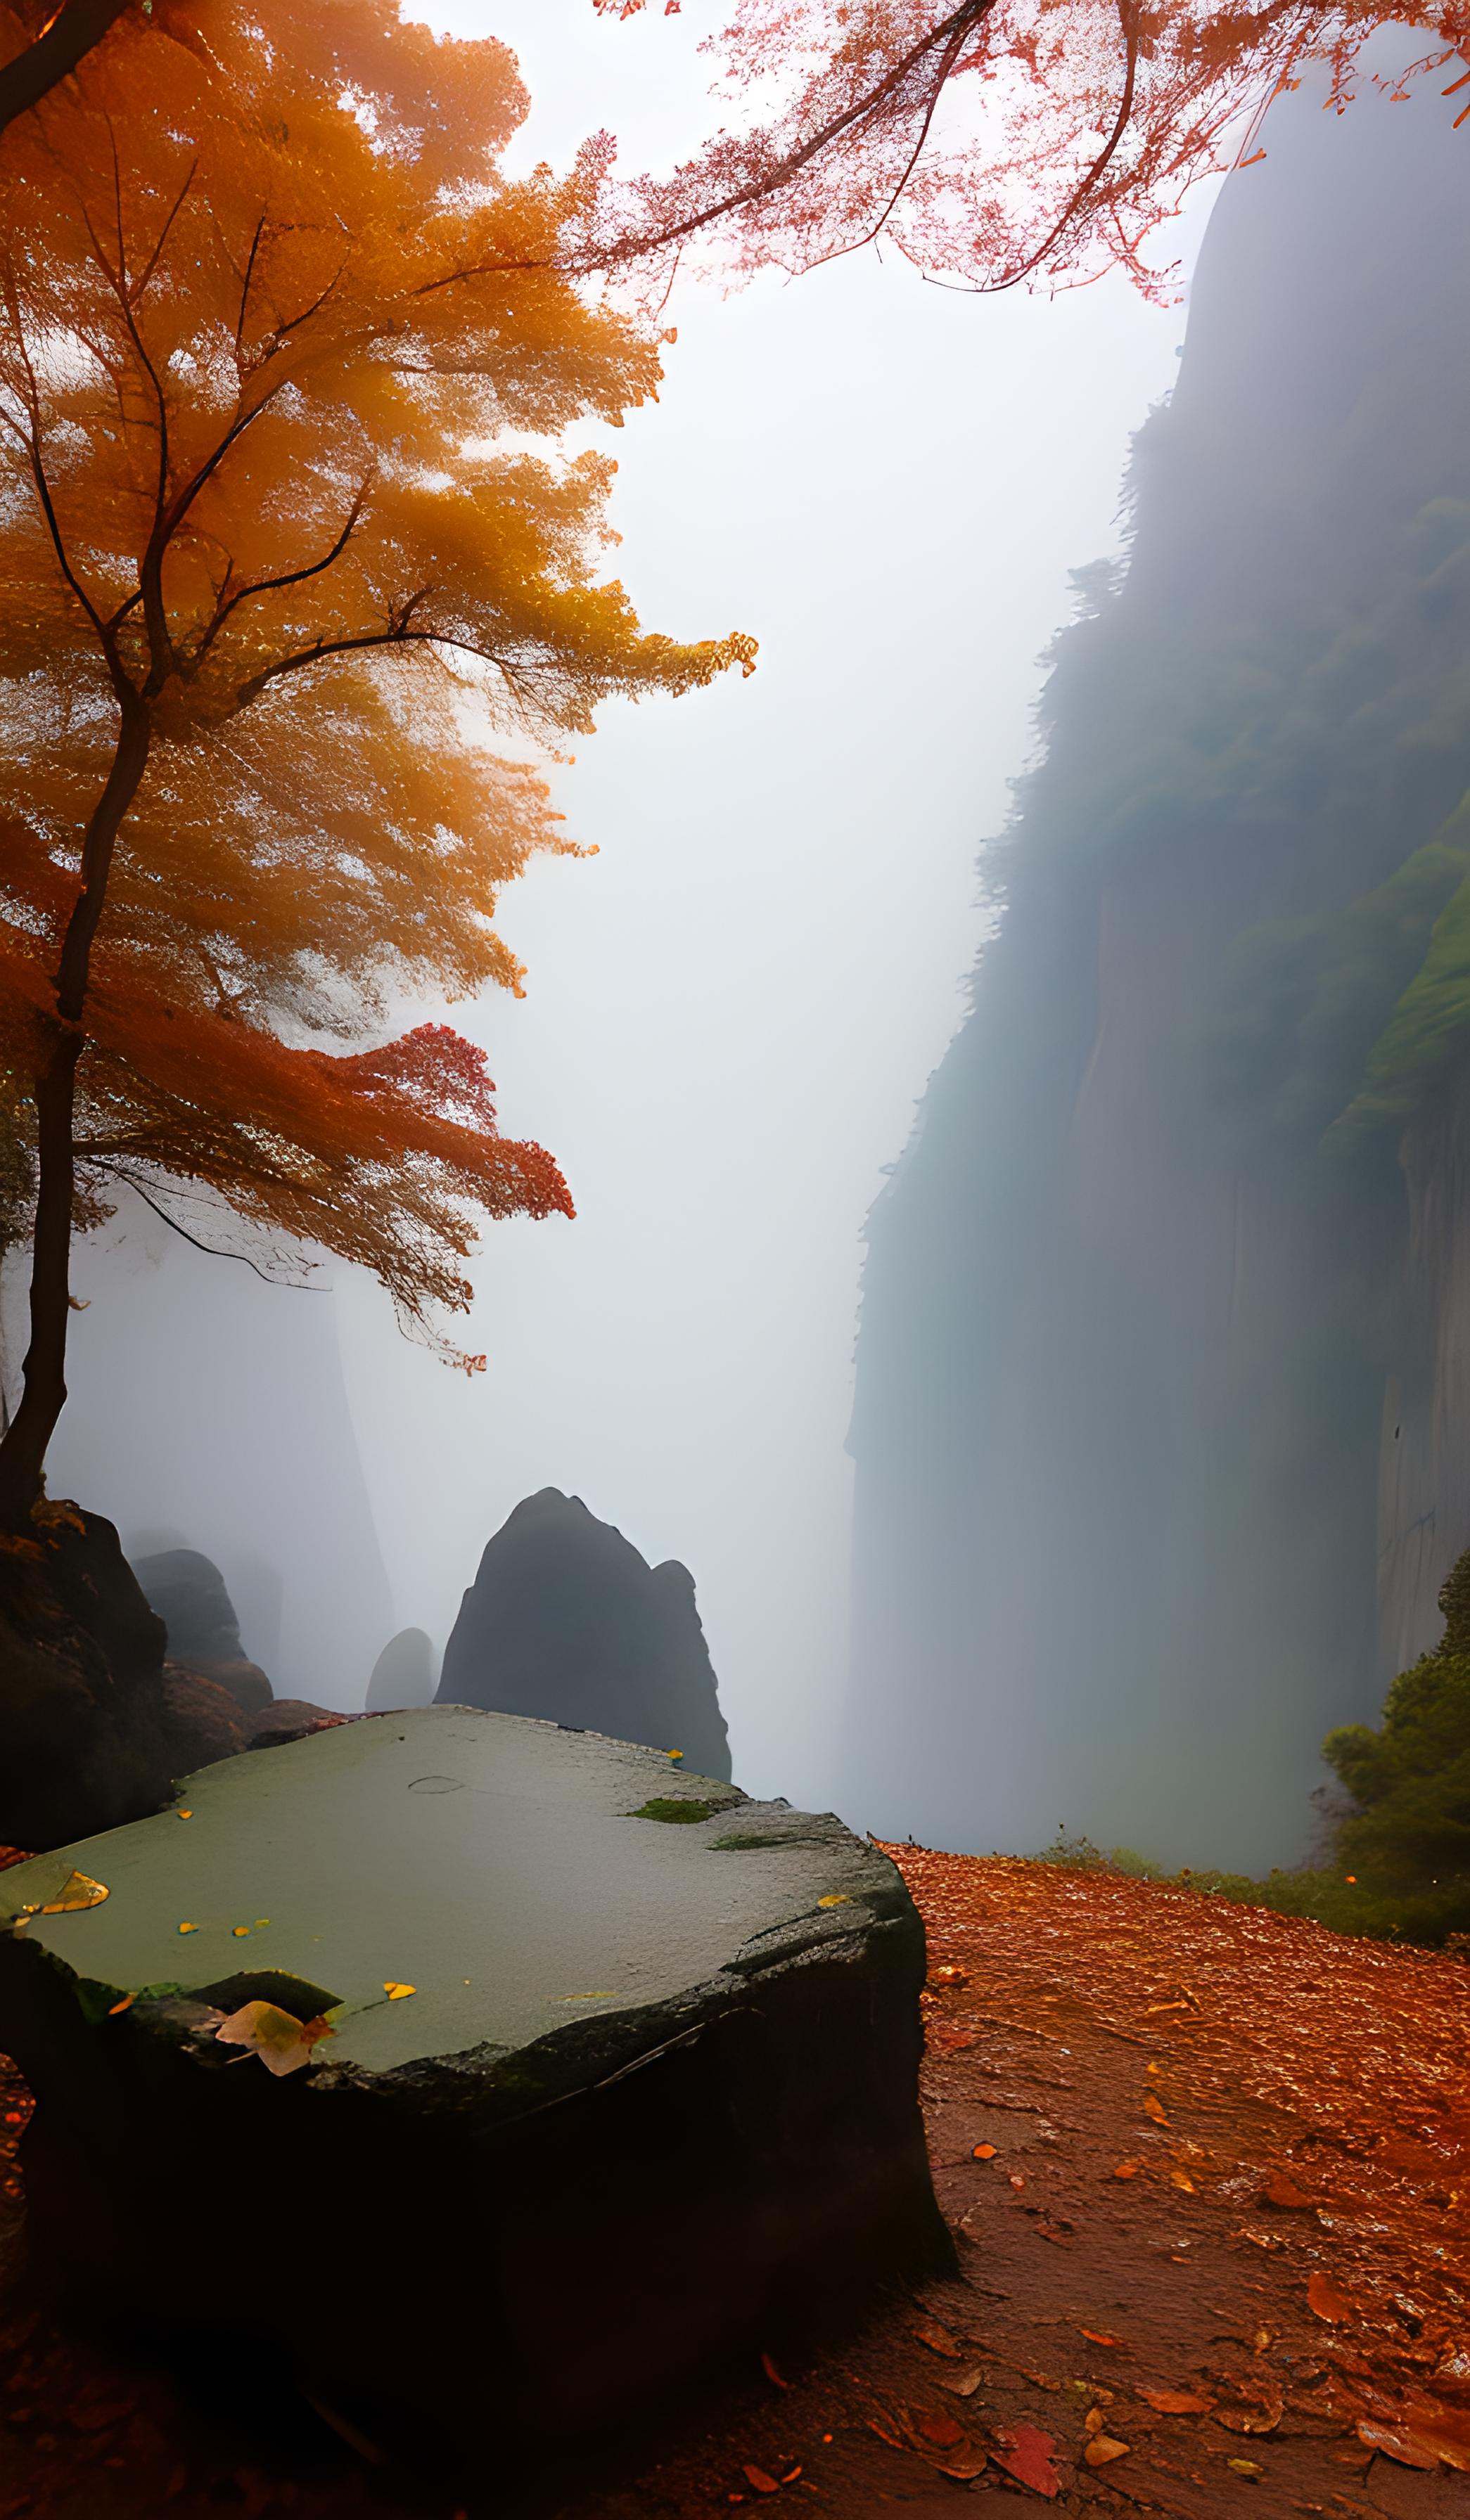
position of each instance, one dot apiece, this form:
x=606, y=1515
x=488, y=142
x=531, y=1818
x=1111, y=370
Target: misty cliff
x=1163, y=1413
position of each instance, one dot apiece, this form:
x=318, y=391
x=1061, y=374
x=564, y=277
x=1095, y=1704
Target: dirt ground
x=1208, y=2170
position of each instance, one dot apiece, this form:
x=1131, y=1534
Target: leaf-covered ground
x=1208, y=2174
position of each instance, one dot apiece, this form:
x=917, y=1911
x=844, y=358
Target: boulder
x=567, y=1621
x=188, y=1591
x=84, y=1739
x=605, y=2070
x=403, y=1673
x=202, y=1721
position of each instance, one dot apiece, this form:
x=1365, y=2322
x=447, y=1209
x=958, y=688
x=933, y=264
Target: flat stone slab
x=605, y=2061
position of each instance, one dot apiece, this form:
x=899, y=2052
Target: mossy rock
x=598, y=2096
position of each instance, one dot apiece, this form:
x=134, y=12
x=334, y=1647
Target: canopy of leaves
x=277, y=340
x=989, y=141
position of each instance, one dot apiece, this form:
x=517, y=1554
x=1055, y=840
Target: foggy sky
x=732, y=1009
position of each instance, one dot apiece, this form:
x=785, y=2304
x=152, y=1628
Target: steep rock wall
x=1181, y=1235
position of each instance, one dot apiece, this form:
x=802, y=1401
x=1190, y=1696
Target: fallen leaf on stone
x=763, y=2483
x=1263, y=2417
x=77, y=1892
x=983, y=2152
x=1095, y=2421
x=1102, y=2449
x=1447, y=2428
x=1099, y=2336
x=937, y=2339
x=184, y=1815
x=1246, y=2466
x=1182, y=2178
x=1402, y=2443
x=282, y=2042
x=1285, y=2195
x=1127, y=2169
x=835, y=1899
x=188, y=1929
x=964, y=2464
x=1177, y=2402
x=943, y=2442
x=1153, y=2107
x=965, y=2383
x=392, y=1990
x=933, y=2429
x=1026, y=2454
x=1328, y=2299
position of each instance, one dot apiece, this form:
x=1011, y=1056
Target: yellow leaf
x=1182, y=2178
x=282, y=2042
x=80, y=1891
x=238, y=1930
x=183, y=1815
x=1102, y=2448
x=392, y=1990
x=188, y=1929
x=1153, y=2107
x=835, y=1899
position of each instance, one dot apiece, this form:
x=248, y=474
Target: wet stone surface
x=607, y=2059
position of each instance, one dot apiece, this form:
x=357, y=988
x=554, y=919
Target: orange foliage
x=992, y=141
x=277, y=558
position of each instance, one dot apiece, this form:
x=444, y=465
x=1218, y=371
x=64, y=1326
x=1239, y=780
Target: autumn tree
x=991, y=143
x=277, y=339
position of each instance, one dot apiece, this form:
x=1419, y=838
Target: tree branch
x=78, y=25
x=211, y=1250
x=946, y=37
x=290, y=577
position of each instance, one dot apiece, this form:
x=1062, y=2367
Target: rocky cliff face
x=1163, y=1425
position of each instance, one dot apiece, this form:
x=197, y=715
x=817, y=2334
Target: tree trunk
x=43, y=1374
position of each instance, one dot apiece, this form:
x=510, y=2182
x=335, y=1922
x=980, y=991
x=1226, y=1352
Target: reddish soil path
x=1190, y=2152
